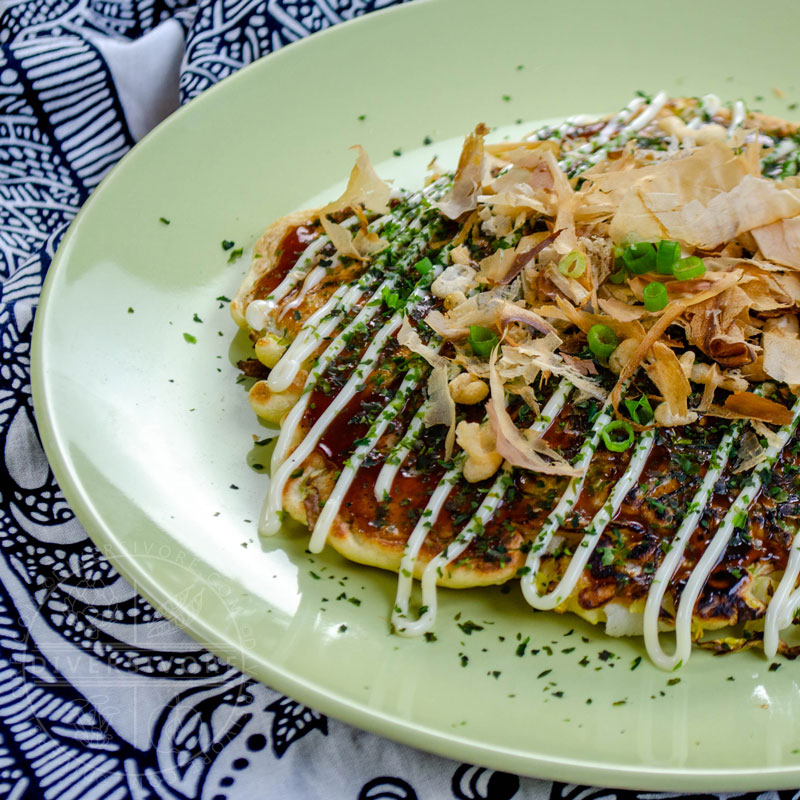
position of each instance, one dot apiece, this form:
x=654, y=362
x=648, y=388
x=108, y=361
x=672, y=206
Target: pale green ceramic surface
x=147, y=432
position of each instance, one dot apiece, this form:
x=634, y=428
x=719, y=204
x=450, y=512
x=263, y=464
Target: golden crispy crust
x=375, y=547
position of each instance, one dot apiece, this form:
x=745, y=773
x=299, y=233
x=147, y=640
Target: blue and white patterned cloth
x=100, y=696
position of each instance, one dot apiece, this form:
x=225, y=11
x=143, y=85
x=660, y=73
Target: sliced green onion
x=423, y=266
x=602, y=340
x=619, y=276
x=618, y=435
x=640, y=410
x=688, y=268
x=667, y=256
x=640, y=257
x=481, y=340
x=655, y=296
x=573, y=265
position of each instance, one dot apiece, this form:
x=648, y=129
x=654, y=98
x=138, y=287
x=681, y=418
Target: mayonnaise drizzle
x=319, y=325
x=283, y=466
x=454, y=549
x=780, y=613
x=400, y=620
x=672, y=560
x=713, y=551
x=312, y=279
x=289, y=427
x=271, y=517
x=327, y=318
x=399, y=453
x=616, y=132
x=563, y=589
x=784, y=602
x=377, y=429
x=563, y=507
x=738, y=115
x=257, y=313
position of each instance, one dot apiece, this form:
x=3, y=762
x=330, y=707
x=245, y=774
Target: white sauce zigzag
x=480, y=519
x=637, y=116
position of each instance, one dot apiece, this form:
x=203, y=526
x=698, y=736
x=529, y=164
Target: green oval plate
x=151, y=438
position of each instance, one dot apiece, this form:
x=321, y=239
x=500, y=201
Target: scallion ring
x=481, y=340
x=667, y=256
x=688, y=268
x=640, y=257
x=619, y=276
x=618, y=435
x=573, y=265
x=655, y=296
x=423, y=266
x=602, y=340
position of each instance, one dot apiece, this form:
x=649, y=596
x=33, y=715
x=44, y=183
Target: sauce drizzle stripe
x=672, y=560
x=294, y=417
x=271, y=520
x=563, y=507
x=784, y=603
x=591, y=536
x=399, y=453
x=714, y=550
x=402, y=624
x=319, y=325
x=257, y=312
x=377, y=429
x=482, y=516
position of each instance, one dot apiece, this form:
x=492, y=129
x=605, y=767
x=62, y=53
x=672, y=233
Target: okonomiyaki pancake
x=572, y=362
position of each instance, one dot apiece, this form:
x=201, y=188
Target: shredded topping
x=571, y=292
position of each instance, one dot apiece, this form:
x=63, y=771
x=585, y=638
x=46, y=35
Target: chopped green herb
x=235, y=254
x=227, y=244
x=605, y=655
x=189, y=338
x=469, y=626
x=163, y=220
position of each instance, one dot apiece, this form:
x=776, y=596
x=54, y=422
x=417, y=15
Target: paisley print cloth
x=100, y=696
